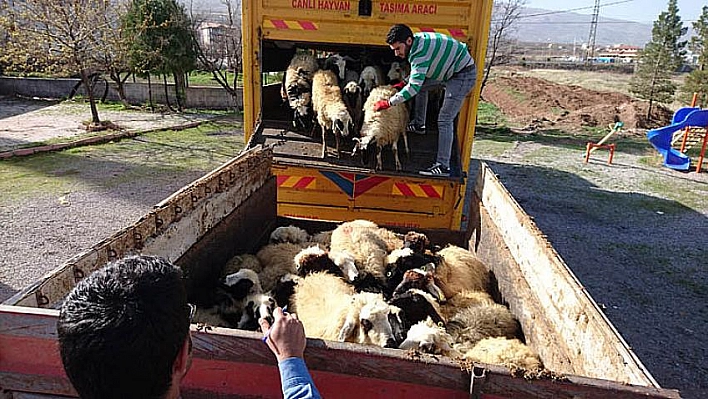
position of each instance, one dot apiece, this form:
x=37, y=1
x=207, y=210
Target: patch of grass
x=489, y=114
x=153, y=156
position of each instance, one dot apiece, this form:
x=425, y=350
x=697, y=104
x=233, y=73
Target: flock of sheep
x=339, y=93
x=365, y=284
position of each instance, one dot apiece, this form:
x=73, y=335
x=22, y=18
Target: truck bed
x=301, y=149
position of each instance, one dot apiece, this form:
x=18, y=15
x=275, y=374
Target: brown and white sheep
x=330, y=109
x=383, y=127
x=330, y=309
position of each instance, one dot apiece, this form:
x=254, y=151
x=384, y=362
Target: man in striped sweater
x=435, y=59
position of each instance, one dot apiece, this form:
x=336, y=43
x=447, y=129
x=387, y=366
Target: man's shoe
x=413, y=128
x=436, y=170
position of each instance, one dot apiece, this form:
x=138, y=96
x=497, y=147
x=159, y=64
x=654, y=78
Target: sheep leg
x=336, y=140
x=405, y=143
x=379, y=165
x=324, y=143
x=394, y=148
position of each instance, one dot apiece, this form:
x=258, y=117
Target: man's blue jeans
x=456, y=89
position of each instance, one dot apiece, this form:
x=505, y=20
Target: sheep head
x=418, y=242
x=367, y=321
x=420, y=279
x=315, y=259
x=346, y=262
x=428, y=337
x=243, y=283
x=399, y=261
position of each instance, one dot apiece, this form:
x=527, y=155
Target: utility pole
x=593, y=33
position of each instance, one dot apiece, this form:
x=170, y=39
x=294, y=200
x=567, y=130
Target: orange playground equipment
x=590, y=147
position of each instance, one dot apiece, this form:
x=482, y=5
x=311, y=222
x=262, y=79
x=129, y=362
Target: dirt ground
x=632, y=232
x=537, y=103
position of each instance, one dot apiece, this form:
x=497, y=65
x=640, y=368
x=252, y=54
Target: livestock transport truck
x=277, y=181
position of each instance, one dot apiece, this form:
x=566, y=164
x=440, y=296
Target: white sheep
x=370, y=78
x=398, y=72
x=298, y=83
x=507, y=352
x=277, y=260
x=330, y=309
x=429, y=337
x=330, y=109
x=291, y=234
x=384, y=127
x=460, y=270
x=359, y=239
x=472, y=324
x=243, y=261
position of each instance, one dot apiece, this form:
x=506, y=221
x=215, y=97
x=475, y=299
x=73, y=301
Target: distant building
x=620, y=53
x=220, y=42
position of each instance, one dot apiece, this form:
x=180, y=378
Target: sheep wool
x=359, y=239
x=475, y=323
x=243, y=261
x=384, y=127
x=463, y=300
x=291, y=234
x=330, y=109
x=277, y=260
x=511, y=353
x=460, y=270
x=428, y=337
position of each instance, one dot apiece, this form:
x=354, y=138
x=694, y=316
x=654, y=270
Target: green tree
x=160, y=40
x=64, y=37
x=697, y=81
x=660, y=58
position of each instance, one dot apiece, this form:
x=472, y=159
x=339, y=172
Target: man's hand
x=286, y=337
x=399, y=85
x=382, y=105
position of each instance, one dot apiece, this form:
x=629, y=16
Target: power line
x=572, y=9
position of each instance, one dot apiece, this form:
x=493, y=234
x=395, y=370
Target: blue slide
x=661, y=138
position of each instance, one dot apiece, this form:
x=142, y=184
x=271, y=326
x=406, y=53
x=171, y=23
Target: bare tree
x=59, y=37
x=504, y=16
x=218, y=46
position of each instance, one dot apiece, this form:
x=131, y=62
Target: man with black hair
x=124, y=333
x=435, y=59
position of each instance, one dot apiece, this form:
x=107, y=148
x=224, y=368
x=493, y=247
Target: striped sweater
x=432, y=56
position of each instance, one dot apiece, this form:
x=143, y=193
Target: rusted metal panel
x=594, y=347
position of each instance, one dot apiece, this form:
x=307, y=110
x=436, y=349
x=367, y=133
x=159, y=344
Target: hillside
x=573, y=27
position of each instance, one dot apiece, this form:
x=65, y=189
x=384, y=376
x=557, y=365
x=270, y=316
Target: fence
x=136, y=93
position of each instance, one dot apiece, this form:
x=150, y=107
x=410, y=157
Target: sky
x=630, y=10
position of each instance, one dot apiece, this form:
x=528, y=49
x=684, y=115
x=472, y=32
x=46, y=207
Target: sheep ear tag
x=353, y=184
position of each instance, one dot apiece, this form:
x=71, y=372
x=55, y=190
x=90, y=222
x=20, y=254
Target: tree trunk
x=179, y=78
x=152, y=107
x=92, y=102
x=492, y=59
x=167, y=94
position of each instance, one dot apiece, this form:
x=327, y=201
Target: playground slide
x=661, y=138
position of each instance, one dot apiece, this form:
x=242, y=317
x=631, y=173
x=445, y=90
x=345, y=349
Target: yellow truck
x=333, y=188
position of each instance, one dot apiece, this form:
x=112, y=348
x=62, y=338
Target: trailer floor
x=302, y=149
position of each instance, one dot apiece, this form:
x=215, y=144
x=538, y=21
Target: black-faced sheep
x=330, y=309
x=330, y=109
x=383, y=127
x=422, y=279
x=256, y=306
x=291, y=234
x=418, y=305
x=353, y=98
x=507, y=352
x=284, y=289
x=298, y=86
x=460, y=270
x=400, y=261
